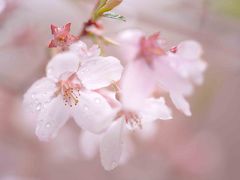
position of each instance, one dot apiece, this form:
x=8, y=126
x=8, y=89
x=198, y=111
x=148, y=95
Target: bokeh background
x=205, y=146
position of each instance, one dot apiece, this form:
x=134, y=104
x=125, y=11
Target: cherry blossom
x=150, y=66
x=129, y=118
x=61, y=36
x=68, y=91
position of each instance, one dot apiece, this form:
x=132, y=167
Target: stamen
x=70, y=91
x=132, y=119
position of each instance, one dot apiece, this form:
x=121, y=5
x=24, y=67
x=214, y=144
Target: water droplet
x=48, y=125
x=33, y=96
x=49, y=70
x=85, y=108
x=44, y=106
x=97, y=100
x=114, y=164
x=38, y=108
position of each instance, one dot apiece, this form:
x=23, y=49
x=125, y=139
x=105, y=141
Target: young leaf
x=114, y=16
x=105, y=6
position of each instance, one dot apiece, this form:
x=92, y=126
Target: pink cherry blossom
x=68, y=91
x=129, y=118
x=150, y=66
x=61, y=36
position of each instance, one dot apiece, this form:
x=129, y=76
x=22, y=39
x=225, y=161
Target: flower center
x=150, y=47
x=69, y=88
x=133, y=120
x=62, y=38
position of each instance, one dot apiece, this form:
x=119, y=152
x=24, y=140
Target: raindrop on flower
x=48, y=125
x=97, y=100
x=49, y=70
x=38, y=108
x=85, y=108
x=33, y=96
x=114, y=164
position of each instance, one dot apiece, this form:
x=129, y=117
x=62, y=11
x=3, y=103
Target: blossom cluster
x=108, y=96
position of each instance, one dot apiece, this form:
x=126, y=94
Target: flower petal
x=191, y=69
x=88, y=143
x=137, y=84
x=92, y=113
x=61, y=63
x=189, y=49
x=154, y=109
x=39, y=94
x=181, y=103
x=81, y=49
x=130, y=42
x=111, y=145
x=169, y=78
x=51, y=119
x=100, y=72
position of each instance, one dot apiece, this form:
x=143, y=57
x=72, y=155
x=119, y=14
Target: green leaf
x=114, y=16
x=104, y=6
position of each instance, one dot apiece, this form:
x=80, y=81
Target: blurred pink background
x=205, y=146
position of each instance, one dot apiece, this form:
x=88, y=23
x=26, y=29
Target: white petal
x=196, y=71
x=154, y=109
x=62, y=63
x=111, y=145
x=94, y=51
x=81, y=49
x=100, y=72
x=181, y=103
x=137, y=84
x=92, y=113
x=88, y=143
x=39, y=94
x=189, y=49
x=128, y=150
x=51, y=119
x=191, y=69
x=130, y=42
x=169, y=78
x=131, y=36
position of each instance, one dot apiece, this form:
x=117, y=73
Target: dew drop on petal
x=49, y=70
x=114, y=164
x=33, y=96
x=97, y=100
x=38, y=108
x=85, y=108
x=48, y=125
